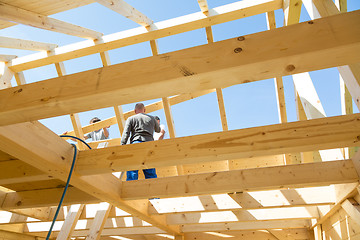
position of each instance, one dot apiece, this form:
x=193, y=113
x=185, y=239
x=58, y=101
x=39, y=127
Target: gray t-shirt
x=140, y=127
x=97, y=135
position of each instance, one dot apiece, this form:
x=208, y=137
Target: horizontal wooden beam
x=226, y=13
x=22, y=16
x=190, y=70
x=317, y=134
x=6, y=42
x=44, y=198
x=291, y=176
x=44, y=150
x=7, y=58
x=275, y=224
x=16, y=171
x=6, y=235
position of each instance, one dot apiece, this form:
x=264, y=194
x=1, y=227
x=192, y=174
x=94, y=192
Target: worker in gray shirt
x=140, y=128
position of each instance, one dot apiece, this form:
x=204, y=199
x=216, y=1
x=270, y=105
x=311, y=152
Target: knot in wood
x=237, y=50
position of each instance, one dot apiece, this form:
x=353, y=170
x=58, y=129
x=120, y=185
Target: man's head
x=157, y=119
x=139, y=108
x=94, y=120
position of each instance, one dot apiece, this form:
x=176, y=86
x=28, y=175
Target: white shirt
x=157, y=135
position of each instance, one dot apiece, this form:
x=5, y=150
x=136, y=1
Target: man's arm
x=157, y=126
x=106, y=132
x=162, y=131
x=126, y=133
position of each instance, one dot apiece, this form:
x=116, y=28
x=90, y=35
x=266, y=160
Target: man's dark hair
x=95, y=119
x=157, y=118
x=139, y=106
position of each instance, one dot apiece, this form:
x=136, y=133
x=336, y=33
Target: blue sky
x=247, y=105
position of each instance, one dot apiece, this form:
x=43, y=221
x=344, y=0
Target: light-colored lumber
x=44, y=197
x=6, y=235
x=5, y=76
x=275, y=224
x=20, y=78
x=6, y=42
x=37, y=213
x=127, y=11
x=292, y=176
x=33, y=19
x=16, y=171
x=192, y=73
x=70, y=222
x=7, y=58
x=352, y=209
x=324, y=133
x=166, y=28
x=292, y=9
x=55, y=159
x=221, y=104
x=350, y=73
x=75, y=120
x=120, y=118
x=99, y=222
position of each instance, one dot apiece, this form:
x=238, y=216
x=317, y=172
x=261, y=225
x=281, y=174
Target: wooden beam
x=276, y=224
x=22, y=16
x=55, y=159
x=6, y=42
x=98, y=224
x=198, y=71
x=350, y=73
x=221, y=104
x=6, y=235
x=127, y=11
x=166, y=28
x=120, y=118
x=292, y=9
x=75, y=120
x=7, y=58
x=44, y=197
x=352, y=208
x=70, y=222
x=20, y=78
x=292, y=176
x=5, y=76
x=16, y=171
x=325, y=133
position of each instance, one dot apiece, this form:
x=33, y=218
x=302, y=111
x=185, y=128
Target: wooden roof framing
x=268, y=182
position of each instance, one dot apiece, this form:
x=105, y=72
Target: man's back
x=141, y=127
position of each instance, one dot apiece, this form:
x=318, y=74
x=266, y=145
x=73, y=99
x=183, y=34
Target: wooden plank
x=33, y=19
x=127, y=11
x=353, y=210
x=350, y=73
x=6, y=235
x=70, y=222
x=5, y=76
x=20, y=78
x=75, y=120
x=98, y=223
x=325, y=133
x=6, y=42
x=199, y=70
x=120, y=118
x=276, y=224
x=221, y=103
x=55, y=159
x=166, y=28
x=292, y=9
x=16, y=171
x=7, y=58
x=45, y=197
x=292, y=176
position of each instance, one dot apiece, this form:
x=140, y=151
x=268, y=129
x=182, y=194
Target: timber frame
x=290, y=180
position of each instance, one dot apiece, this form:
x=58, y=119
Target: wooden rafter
x=6, y=42
x=166, y=28
x=22, y=16
x=199, y=62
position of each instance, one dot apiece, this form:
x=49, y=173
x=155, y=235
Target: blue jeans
x=134, y=174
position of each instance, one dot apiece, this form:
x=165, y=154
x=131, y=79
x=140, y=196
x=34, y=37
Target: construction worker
x=140, y=128
x=161, y=134
x=100, y=134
